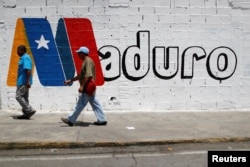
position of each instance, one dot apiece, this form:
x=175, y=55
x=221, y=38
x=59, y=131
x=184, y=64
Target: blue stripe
x=64, y=50
x=47, y=61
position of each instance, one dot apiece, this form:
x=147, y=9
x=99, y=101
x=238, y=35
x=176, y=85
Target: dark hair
x=22, y=48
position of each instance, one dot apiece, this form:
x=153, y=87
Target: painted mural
x=221, y=62
x=55, y=58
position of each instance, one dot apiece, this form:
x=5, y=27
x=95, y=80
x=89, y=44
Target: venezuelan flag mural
x=55, y=59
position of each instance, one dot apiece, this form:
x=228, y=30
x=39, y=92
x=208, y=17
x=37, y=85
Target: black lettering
x=135, y=60
x=188, y=56
x=111, y=62
x=218, y=71
x=165, y=64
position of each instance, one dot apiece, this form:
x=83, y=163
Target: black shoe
x=31, y=113
x=66, y=121
x=100, y=123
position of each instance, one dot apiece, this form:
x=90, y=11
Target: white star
x=42, y=43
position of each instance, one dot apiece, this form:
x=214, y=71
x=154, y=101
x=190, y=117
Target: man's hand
x=80, y=90
x=67, y=82
x=28, y=85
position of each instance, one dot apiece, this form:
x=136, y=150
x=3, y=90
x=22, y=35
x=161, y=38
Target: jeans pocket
x=22, y=89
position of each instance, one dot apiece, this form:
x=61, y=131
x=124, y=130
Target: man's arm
x=28, y=72
x=76, y=78
x=86, y=79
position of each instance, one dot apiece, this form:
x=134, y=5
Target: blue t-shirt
x=25, y=63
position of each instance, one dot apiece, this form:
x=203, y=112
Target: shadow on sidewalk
x=84, y=124
x=79, y=123
x=20, y=117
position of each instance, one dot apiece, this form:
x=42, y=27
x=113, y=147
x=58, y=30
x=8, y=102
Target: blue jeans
x=83, y=99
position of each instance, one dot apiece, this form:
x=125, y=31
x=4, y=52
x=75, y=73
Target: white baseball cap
x=83, y=49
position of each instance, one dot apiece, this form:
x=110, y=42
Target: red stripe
x=80, y=33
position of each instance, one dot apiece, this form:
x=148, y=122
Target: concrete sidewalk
x=45, y=130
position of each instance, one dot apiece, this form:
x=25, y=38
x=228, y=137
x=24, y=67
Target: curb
x=65, y=145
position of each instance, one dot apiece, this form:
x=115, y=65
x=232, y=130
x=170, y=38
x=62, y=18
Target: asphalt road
x=172, y=155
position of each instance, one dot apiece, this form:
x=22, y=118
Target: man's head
x=82, y=52
x=21, y=49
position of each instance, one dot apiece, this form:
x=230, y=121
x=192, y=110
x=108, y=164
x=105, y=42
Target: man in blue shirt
x=24, y=82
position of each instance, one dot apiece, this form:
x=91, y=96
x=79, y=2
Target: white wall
x=186, y=26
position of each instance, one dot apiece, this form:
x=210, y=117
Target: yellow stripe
x=20, y=38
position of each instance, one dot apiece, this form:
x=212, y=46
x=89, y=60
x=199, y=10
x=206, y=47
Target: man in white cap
x=86, y=76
